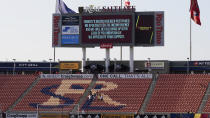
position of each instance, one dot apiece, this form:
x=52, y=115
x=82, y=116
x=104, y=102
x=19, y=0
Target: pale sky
x=26, y=31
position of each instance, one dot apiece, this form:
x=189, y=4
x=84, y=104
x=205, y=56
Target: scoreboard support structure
x=107, y=60
x=84, y=58
x=131, y=59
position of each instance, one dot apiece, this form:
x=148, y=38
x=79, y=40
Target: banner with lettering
x=66, y=76
x=125, y=76
x=21, y=115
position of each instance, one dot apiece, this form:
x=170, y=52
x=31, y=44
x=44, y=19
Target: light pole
x=115, y=64
x=188, y=66
x=105, y=65
x=50, y=65
x=14, y=66
x=149, y=65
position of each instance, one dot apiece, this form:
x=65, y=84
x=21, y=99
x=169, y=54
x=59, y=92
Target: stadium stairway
x=204, y=100
x=149, y=94
x=24, y=93
x=126, y=88
x=86, y=93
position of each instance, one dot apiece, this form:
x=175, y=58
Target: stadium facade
x=142, y=66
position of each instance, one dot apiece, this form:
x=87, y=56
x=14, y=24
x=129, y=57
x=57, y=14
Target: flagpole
x=190, y=39
x=195, y=16
x=56, y=4
x=121, y=46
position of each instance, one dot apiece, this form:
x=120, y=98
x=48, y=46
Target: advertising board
x=70, y=29
x=154, y=65
x=123, y=76
x=53, y=115
x=115, y=28
x=159, y=28
x=72, y=65
x=21, y=115
x=199, y=63
x=66, y=76
x=70, y=39
x=29, y=66
x=66, y=30
x=70, y=19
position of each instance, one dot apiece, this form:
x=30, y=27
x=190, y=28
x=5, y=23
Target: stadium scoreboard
x=115, y=28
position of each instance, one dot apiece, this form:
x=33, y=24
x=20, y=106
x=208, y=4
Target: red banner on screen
x=56, y=30
x=106, y=45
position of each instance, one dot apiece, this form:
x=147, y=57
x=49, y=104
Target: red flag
x=127, y=3
x=195, y=12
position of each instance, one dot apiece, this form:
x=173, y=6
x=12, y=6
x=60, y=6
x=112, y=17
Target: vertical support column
x=131, y=58
x=107, y=60
x=54, y=54
x=84, y=58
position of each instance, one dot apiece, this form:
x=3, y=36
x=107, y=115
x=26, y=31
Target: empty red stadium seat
x=12, y=86
x=178, y=93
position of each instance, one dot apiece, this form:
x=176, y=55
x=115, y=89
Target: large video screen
x=149, y=29
x=144, y=30
x=100, y=29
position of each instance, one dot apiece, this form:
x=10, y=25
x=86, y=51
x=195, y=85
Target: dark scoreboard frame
x=132, y=39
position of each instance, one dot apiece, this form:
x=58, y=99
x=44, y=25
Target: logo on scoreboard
x=70, y=29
